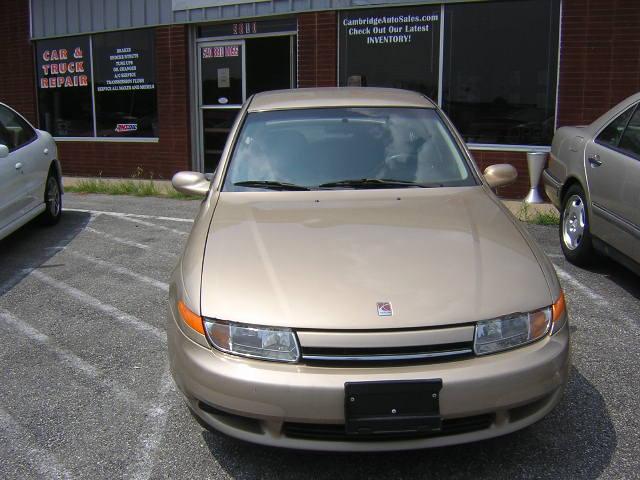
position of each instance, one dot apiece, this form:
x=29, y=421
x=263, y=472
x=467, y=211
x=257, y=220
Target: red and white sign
x=60, y=68
x=222, y=51
x=126, y=127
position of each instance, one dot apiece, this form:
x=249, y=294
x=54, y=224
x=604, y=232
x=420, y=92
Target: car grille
x=417, y=354
x=451, y=426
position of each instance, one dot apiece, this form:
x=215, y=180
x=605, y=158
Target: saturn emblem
x=384, y=309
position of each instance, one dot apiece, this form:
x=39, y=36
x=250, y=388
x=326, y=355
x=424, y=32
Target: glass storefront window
x=120, y=69
x=125, y=89
x=64, y=86
x=500, y=68
x=499, y=65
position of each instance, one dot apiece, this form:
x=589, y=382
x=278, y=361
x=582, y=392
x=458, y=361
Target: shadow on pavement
x=576, y=440
x=32, y=245
x=547, y=237
x=621, y=276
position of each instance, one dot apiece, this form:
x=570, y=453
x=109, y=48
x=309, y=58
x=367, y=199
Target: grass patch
x=537, y=217
x=134, y=187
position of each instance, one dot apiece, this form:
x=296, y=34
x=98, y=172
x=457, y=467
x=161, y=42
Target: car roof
x=337, y=97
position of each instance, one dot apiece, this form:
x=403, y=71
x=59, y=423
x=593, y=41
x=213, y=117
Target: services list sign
x=391, y=47
x=124, y=63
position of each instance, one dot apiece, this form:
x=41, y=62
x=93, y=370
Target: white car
x=30, y=174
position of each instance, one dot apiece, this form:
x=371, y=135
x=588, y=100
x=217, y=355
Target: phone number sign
x=221, y=52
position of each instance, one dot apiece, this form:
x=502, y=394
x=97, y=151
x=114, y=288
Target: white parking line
x=566, y=276
x=614, y=312
x=69, y=359
x=24, y=444
x=119, y=269
x=124, y=318
x=130, y=215
x=130, y=243
x=153, y=225
x=153, y=430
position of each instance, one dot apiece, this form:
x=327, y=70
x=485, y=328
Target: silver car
x=594, y=180
x=30, y=174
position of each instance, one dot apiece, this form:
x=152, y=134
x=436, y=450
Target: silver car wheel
x=53, y=197
x=573, y=222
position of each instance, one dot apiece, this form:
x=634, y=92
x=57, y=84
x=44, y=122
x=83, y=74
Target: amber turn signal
x=190, y=318
x=559, y=317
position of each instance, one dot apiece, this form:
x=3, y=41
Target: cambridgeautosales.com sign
x=63, y=63
x=391, y=26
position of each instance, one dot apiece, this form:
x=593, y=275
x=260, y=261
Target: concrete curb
x=517, y=206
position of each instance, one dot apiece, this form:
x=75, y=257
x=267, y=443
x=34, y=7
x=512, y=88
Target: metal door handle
x=46, y=151
x=595, y=161
x=18, y=166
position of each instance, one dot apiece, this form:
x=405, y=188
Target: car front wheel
x=52, y=200
x=575, y=237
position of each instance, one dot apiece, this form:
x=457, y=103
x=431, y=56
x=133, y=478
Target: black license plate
x=397, y=407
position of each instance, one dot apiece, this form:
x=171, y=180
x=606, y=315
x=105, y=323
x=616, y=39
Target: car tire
x=52, y=200
x=575, y=235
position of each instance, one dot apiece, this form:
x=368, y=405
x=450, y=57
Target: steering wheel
x=397, y=162
x=398, y=156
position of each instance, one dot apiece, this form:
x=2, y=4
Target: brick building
x=150, y=87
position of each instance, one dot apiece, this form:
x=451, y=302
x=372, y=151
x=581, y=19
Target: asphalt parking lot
x=85, y=389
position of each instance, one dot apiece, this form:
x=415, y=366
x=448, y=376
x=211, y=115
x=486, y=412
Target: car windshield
x=346, y=148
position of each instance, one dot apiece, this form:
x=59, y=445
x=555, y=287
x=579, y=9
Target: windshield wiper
x=375, y=183
x=272, y=185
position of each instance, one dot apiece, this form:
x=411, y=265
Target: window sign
x=221, y=52
x=391, y=47
x=60, y=68
x=64, y=86
x=125, y=86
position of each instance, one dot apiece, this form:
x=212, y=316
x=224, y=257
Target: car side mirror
x=191, y=183
x=4, y=151
x=500, y=175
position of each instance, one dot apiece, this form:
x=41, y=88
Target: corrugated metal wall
x=54, y=18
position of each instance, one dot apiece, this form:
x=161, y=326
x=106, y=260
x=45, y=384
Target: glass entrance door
x=222, y=91
x=228, y=73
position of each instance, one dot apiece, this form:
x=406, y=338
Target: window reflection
x=500, y=66
x=315, y=146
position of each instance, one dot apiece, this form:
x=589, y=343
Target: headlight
x=265, y=343
x=511, y=331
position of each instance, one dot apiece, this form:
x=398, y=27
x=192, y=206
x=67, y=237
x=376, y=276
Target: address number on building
x=221, y=52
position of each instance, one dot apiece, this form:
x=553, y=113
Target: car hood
x=323, y=260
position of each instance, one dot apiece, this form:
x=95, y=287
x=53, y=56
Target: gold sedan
x=352, y=283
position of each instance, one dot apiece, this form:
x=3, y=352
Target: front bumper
x=260, y=401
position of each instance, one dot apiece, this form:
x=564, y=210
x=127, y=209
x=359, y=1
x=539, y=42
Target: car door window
x=630, y=141
x=14, y=131
x=612, y=133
